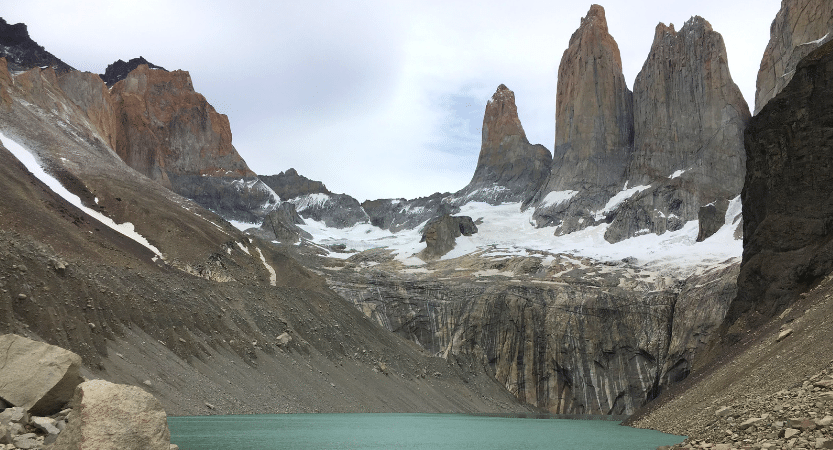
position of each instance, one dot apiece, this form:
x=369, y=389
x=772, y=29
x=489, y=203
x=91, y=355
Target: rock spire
x=594, y=110
x=509, y=167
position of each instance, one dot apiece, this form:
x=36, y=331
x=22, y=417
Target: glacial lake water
x=406, y=431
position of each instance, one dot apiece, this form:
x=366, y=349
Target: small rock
x=824, y=443
x=724, y=411
x=210, y=406
x=44, y=423
x=284, y=339
x=16, y=415
x=827, y=420
x=174, y=447
x=27, y=441
x=784, y=334
x=827, y=384
x=750, y=422
x=790, y=432
x=21, y=296
x=5, y=434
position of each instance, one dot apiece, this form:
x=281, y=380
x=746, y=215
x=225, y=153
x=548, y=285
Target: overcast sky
x=376, y=99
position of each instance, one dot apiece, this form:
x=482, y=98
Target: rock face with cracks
x=594, y=128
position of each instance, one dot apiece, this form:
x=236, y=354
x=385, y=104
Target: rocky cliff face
x=399, y=214
x=594, y=126
x=22, y=53
x=800, y=27
x=509, y=168
x=787, y=197
x=688, y=132
x=170, y=133
x=565, y=334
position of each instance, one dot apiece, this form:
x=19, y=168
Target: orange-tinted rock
x=509, y=167
x=165, y=128
x=800, y=27
x=594, y=111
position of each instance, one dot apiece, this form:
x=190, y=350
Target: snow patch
x=557, y=197
x=30, y=160
x=677, y=174
x=273, y=277
x=243, y=248
x=817, y=41
x=310, y=200
x=617, y=200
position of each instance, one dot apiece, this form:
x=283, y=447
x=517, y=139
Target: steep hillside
x=184, y=305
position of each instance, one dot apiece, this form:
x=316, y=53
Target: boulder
x=710, y=218
x=441, y=233
x=36, y=376
x=109, y=416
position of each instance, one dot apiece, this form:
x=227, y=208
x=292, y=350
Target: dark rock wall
x=788, y=194
x=22, y=53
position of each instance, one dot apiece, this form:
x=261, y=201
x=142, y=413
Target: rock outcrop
x=119, y=70
x=36, y=376
x=800, y=27
x=567, y=335
x=440, y=234
x=22, y=53
x=314, y=201
x=290, y=184
x=688, y=132
x=788, y=194
x=170, y=133
x=509, y=168
x=107, y=415
x=281, y=225
x=399, y=214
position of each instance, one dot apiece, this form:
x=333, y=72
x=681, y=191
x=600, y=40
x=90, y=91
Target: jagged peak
x=120, y=69
x=595, y=18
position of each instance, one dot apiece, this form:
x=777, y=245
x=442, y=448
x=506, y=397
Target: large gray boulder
x=36, y=376
x=114, y=416
x=440, y=234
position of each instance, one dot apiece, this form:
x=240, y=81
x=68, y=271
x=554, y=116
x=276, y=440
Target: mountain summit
x=22, y=53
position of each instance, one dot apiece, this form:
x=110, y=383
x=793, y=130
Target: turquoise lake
x=407, y=431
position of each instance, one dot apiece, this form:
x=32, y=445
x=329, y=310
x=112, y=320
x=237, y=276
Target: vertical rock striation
x=788, y=194
x=800, y=27
x=509, y=168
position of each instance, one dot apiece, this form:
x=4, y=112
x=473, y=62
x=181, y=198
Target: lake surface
x=406, y=431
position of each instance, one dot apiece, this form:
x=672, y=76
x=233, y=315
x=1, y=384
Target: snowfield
x=507, y=231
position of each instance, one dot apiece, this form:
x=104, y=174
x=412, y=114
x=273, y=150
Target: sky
x=377, y=99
